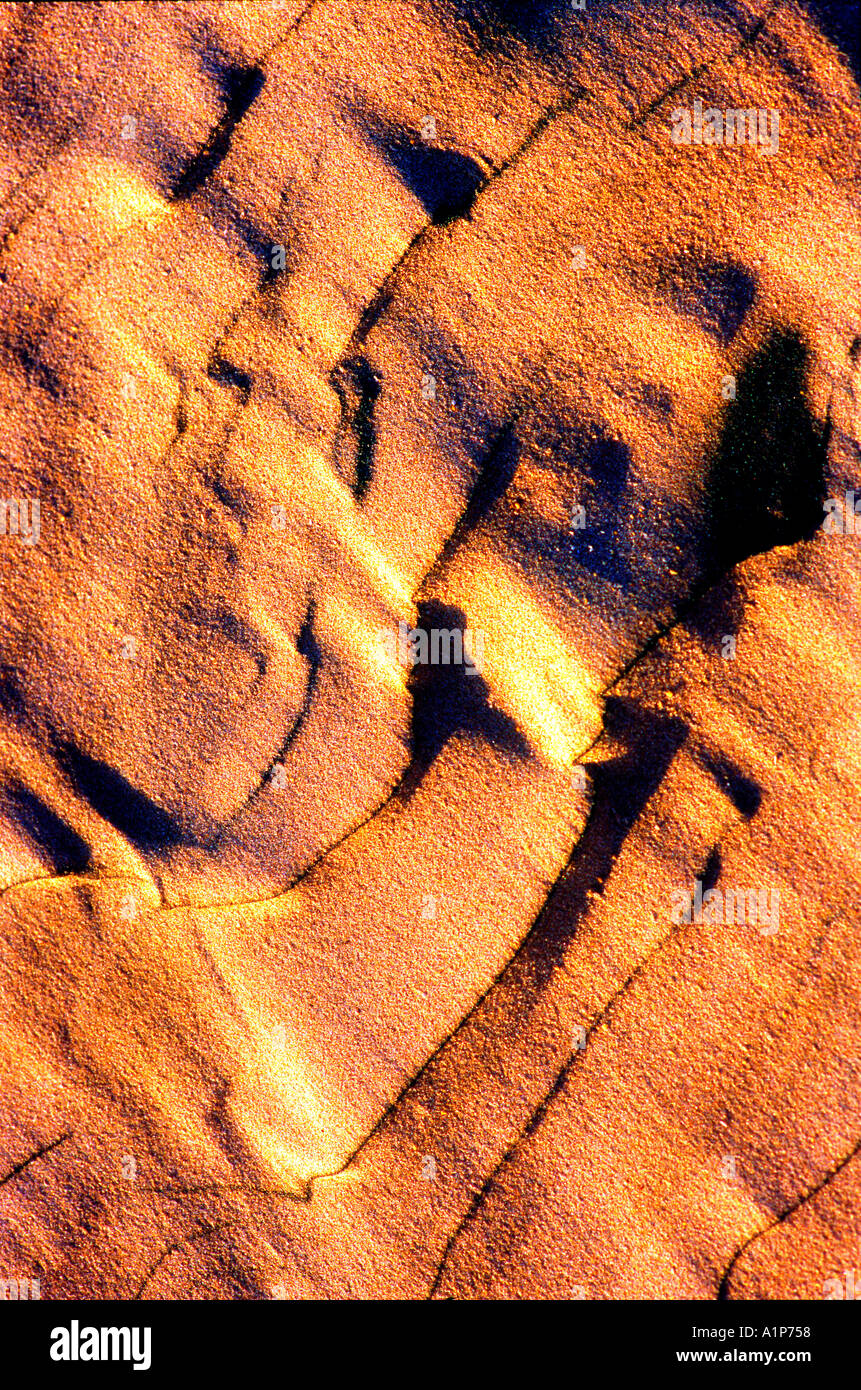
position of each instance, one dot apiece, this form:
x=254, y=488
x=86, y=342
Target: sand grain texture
x=323, y=977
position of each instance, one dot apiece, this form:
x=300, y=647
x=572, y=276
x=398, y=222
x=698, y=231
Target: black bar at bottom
x=59, y=1342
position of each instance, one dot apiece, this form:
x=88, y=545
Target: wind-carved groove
x=66, y=850
x=293, y=28
x=39, y=1153
x=806, y=1195
x=240, y=1189
x=496, y=474
x=633, y=662
x=745, y=799
x=382, y=297
x=747, y=40
x=190, y=1240
x=306, y=1196
x=357, y=387
x=308, y=647
x=180, y=418
x=242, y=87
x=15, y=228
x=743, y=792
x=217, y=367
x=559, y=1082
x=221, y=371
x=144, y=824
x=445, y=181
x=405, y=785
x=226, y=374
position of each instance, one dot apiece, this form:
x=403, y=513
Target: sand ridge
x=327, y=977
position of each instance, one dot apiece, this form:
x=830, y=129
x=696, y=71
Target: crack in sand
x=307, y=1195
x=39, y=1153
x=806, y=1195
x=171, y=1249
x=382, y=296
x=307, y=646
x=543, y=1106
x=215, y=148
x=685, y=609
x=639, y=656
x=747, y=41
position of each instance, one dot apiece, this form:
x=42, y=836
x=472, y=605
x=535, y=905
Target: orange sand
x=325, y=977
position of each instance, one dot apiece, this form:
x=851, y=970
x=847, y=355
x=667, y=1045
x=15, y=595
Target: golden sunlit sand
x=323, y=974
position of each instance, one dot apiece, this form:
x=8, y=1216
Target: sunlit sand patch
x=529, y=667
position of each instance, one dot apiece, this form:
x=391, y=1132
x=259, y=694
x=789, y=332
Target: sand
x=324, y=975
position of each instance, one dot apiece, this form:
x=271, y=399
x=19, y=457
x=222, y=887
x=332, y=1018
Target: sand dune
x=329, y=975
